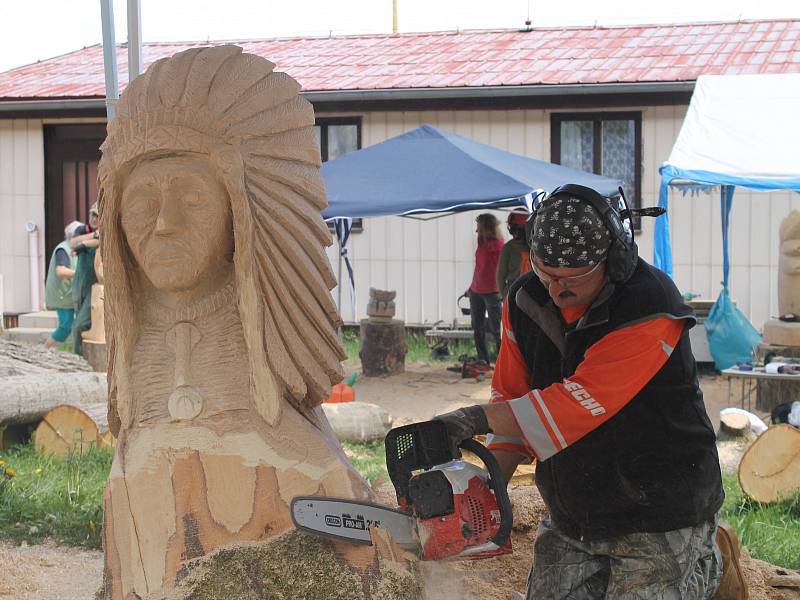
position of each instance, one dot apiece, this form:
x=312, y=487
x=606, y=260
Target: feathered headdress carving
x=258, y=132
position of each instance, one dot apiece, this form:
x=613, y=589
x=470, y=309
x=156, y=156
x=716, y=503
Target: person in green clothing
x=58, y=286
x=85, y=246
x=515, y=255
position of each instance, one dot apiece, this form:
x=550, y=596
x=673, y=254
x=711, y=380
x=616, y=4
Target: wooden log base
x=168, y=498
x=383, y=348
x=298, y=566
x=65, y=429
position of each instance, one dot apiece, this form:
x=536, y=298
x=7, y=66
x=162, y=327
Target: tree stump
x=771, y=393
x=734, y=424
x=95, y=354
x=383, y=347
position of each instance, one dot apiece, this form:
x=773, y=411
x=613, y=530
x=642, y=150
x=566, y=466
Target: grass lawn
x=771, y=532
x=44, y=497
x=419, y=349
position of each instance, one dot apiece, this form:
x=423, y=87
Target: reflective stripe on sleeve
x=532, y=426
x=504, y=439
x=550, y=421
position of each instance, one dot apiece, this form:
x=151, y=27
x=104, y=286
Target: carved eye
x=140, y=206
x=192, y=198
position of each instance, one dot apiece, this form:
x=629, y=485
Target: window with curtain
x=606, y=143
x=337, y=136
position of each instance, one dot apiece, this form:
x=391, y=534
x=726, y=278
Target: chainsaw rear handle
x=498, y=485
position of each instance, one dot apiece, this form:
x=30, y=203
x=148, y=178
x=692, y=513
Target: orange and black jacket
x=608, y=402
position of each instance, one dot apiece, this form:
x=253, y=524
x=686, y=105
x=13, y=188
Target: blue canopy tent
x=429, y=171
x=740, y=130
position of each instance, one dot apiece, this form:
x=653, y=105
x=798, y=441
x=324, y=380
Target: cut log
x=734, y=424
x=770, y=468
x=26, y=398
x=358, y=421
x=69, y=428
x=65, y=429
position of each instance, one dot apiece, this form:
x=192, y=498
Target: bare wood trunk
x=178, y=491
x=26, y=398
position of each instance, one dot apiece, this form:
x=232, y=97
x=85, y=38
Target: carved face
x=176, y=218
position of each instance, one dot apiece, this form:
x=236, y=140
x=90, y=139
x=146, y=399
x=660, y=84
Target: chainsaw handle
x=498, y=485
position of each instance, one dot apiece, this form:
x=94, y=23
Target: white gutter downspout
x=33, y=261
x=109, y=56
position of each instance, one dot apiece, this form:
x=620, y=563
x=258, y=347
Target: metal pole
x=339, y=287
x=109, y=56
x=394, y=16
x=134, y=39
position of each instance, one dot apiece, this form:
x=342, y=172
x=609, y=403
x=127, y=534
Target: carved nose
x=168, y=217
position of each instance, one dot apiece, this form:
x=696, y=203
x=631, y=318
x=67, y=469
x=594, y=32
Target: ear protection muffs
x=623, y=252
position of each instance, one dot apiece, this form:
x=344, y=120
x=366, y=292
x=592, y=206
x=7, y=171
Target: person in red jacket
x=484, y=297
x=597, y=383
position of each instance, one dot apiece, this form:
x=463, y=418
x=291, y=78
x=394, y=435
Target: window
x=607, y=143
x=338, y=136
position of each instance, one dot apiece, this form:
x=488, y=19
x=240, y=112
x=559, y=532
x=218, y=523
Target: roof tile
x=640, y=53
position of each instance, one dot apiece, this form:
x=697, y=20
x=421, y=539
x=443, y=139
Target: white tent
x=740, y=130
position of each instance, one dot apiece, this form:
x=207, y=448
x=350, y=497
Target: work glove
x=463, y=424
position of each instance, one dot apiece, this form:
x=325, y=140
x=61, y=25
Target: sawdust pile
x=298, y=566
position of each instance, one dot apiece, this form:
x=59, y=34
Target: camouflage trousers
x=680, y=564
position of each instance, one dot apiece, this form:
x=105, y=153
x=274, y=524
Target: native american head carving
x=234, y=133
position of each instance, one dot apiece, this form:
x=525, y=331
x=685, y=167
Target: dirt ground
x=49, y=572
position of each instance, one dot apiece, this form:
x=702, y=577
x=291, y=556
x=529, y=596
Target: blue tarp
x=429, y=170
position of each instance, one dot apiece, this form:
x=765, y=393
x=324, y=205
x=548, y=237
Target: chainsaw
x=448, y=508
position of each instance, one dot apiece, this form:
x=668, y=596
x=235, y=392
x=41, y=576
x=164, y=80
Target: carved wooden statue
x=220, y=322
x=382, y=338
x=381, y=306
x=789, y=265
x=94, y=339
x=786, y=332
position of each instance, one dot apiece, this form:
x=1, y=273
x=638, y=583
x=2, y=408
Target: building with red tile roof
x=464, y=60
x=605, y=99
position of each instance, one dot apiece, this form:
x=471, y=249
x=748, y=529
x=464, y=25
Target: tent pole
x=109, y=56
x=134, y=39
x=339, y=287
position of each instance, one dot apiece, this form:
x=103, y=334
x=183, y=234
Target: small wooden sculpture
x=784, y=332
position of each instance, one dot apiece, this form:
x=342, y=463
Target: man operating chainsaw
x=596, y=381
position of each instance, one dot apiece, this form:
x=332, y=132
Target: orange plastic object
x=341, y=392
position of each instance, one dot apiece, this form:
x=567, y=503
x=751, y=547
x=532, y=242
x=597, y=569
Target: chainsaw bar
x=350, y=520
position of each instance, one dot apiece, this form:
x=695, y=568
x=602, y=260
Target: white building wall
x=430, y=264
x=21, y=201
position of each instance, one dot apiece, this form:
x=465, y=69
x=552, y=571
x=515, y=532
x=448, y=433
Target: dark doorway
x=71, y=155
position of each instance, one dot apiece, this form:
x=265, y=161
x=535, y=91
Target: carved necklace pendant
x=185, y=402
